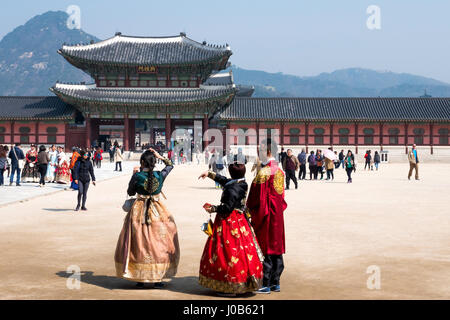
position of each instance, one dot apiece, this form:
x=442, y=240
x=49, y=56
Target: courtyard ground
x=334, y=232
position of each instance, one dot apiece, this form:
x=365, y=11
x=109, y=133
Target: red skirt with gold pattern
x=230, y=262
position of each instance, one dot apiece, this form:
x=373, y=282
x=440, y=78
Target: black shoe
x=140, y=285
x=83, y=209
x=77, y=208
x=18, y=185
x=158, y=285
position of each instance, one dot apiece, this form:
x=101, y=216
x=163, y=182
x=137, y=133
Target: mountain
x=352, y=82
x=29, y=62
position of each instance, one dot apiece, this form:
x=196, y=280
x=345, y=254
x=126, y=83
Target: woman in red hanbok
x=62, y=170
x=231, y=260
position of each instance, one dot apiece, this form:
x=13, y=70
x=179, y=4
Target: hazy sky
x=301, y=37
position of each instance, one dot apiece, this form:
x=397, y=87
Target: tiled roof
x=36, y=108
x=122, y=50
x=220, y=79
x=141, y=95
x=338, y=109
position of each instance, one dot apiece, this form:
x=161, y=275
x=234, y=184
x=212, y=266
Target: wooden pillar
x=331, y=134
x=381, y=136
x=88, y=132
x=282, y=133
x=406, y=137
x=36, y=138
x=306, y=135
x=132, y=129
x=205, y=127
x=12, y=132
x=168, y=132
x=126, y=134
x=356, y=137
x=257, y=134
x=431, y=137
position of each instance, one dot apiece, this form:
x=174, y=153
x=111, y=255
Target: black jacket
x=83, y=170
x=233, y=196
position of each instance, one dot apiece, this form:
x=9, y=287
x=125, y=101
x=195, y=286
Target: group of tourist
x=37, y=165
x=246, y=242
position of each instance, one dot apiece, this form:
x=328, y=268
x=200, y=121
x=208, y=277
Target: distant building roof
x=338, y=109
x=244, y=90
x=127, y=50
x=34, y=108
x=220, y=79
x=141, y=95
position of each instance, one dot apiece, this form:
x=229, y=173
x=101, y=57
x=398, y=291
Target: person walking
x=17, y=158
x=376, y=159
x=413, y=162
x=3, y=164
x=147, y=250
x=312, y=165
x=42, y=163
x=98, y=156
x=329, y=166
x=73, y=160
x=290, y=165
x=83, y=172
x=111, y=153
x=302, y=160
x=350, y=165
x=266, y=206
x=118, y=158
x=319, y=164
x=341, y=159
x=368, y=158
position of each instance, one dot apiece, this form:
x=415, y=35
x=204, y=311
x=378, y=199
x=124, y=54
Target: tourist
x=337, y=162
x=118, y=158
x=282, y=155
x=17, y=158
x=232, y=260
x=147, y=250
x=3, y=162
x=302, y=160
x=350, y=165
x=240, y=157
x=83, y=171
x=98, y=157
x=50, y=175
x=30, y=172
x=319, y=165
x=8, y=164
x=376, y=159
x=341, y=158
x=413, y=162
x=290, y=165
x=312, y=165
x=62, y=169
x=42, y=163
x=73, y=160
x=329, y=166
x=266, y=206
x=111, y=154
x=206, y=157
x=368, y=158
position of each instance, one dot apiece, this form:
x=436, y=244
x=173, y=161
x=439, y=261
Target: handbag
x=19, y=161
x=207, y=227
x=128, y=204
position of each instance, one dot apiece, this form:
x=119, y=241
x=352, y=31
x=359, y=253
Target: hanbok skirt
x=147, y=249
x=30, y=173
x=231, y=260
x=50, y=176
x=63, y=173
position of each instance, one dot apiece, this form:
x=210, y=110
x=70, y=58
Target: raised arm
x=169, y=166
x=218, y=178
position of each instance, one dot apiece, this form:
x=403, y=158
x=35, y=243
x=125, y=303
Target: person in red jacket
x=98, y=157
x=266, y=206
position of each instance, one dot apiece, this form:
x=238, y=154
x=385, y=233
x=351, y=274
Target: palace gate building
x=144, y=88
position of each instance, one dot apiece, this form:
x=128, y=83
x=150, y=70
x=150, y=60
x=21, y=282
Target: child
x=231, y=261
